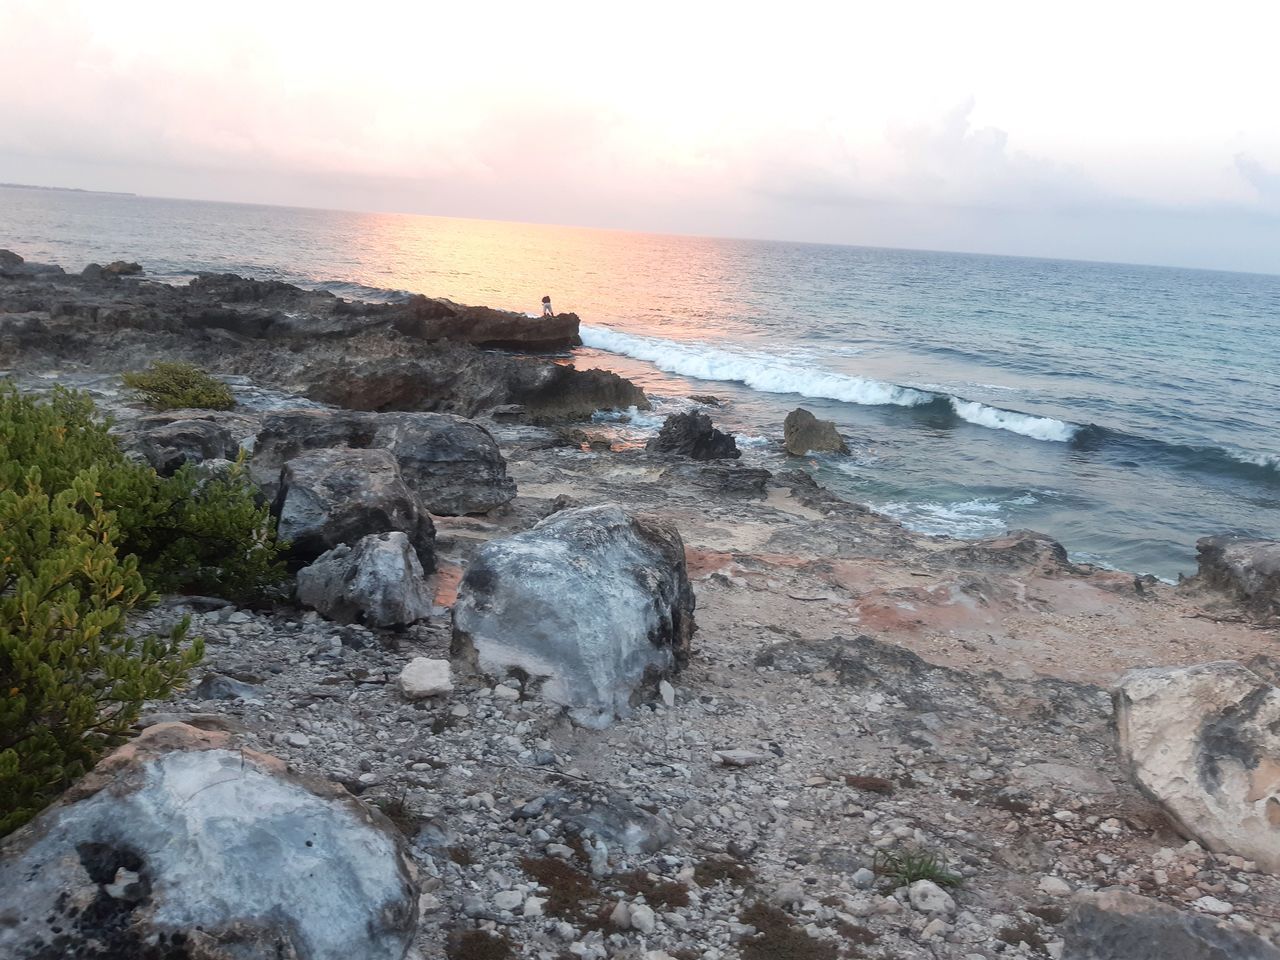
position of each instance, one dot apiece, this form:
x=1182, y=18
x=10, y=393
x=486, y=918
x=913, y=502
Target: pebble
x=423, y=677
x=298, y=740
x=1215, y=906
x=1055, y=887
x=642, y=918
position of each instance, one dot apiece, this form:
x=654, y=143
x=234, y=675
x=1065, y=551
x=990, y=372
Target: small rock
x=927, y=897
x=864, y=879
x=508, y=900
x=424, y=677
x=1055, y=887
x=1215, y=906
x=739, y=758
x=642, y=918
x=668, y=693
x=298, y=740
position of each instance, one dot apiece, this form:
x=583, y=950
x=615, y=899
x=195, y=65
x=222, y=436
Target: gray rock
x=614, y=819
x=172, y=445
x=339, y=496
x=183, y=838
x=452, y=464
x=692, y=435
x=214, y=686
x=591, y=604
x=424, y=677
x=379, y=582
x=1115, y=924
x=1245, y=569
x=1204, y=741
x=803, y=433
x=927, y=897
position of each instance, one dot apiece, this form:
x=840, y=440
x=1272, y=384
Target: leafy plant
x=72, y=681
x=189, y=532
x=905, y=866
x=172, y=385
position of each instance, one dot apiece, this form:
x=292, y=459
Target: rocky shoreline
x=854, y=695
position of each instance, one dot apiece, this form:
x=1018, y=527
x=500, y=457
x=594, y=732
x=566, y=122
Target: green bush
x=71, y=680
x=205, y=535
x=175, y=385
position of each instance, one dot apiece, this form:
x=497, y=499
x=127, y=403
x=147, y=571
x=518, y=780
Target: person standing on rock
x=546, y=307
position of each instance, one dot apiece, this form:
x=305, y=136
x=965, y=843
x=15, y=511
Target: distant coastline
x=36, y=186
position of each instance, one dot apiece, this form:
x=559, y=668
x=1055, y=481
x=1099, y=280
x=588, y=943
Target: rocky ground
x=863, y=706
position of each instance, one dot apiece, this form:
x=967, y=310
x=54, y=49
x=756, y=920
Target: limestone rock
x=803, y=433
x=339, y=496
x=1204, y=741
x=927, y=897
x=1114, y=924
x=429, y=319
x=182, y=843
x=423, y=677
x=1246, y=570
x=724, y=479
x=379, y=582
x=590, y=604
x=692, y=435
x=452, y=464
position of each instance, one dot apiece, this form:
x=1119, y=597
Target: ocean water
x=1125, y=410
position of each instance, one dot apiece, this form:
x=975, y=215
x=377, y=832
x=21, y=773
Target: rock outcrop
x=589, y=605
x=1204, y=741
x=172, y=445
x=1115, y=924
x=428, y=319
x=803, y=433
x=1245, y=569
x=333, y=496
x=692, y=435
x=184, y=844
x=452, y=464
x=378, y=581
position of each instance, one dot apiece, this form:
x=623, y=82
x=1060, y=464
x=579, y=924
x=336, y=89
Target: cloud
x=1264, y=181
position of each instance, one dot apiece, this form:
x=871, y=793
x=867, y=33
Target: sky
x=1130, y=131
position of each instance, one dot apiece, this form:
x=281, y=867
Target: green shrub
x=71, y=680
x=175, y=385
x=211, y=536
x=905, y=866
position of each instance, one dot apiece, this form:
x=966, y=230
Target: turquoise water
x=1125, y=410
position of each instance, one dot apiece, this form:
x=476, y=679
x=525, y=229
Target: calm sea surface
x=1125, y=410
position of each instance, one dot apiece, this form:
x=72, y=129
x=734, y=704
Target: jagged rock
x=1245, y=569
x=423, y=677
x=458, y=378
x=1028, y=549
x=10, y=259
x=803, y=433
x=1204, y=741
x=615, y=819
x=172, y=445
x=14, y=266
x=338, y=496
x=122, y=268
x=214, y=686
x=692, y=435
x=590, y=604
x=1115, y=924
x=379, y=581
x=452, y=464
x=185, y=844
x=428, y=319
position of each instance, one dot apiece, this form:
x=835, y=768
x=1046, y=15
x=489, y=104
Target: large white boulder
x=379, y=582
x=589, y=607
x=182, y=844
x=1204, y=741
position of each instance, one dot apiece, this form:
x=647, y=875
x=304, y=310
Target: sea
x=1124, y=410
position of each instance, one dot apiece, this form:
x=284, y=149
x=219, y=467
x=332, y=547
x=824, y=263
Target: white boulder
x=379, y=582
x=424, y=677
x=588, y=607
x=183, y=844
x=1204, y=741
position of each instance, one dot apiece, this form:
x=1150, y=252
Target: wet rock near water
x=804, y=433
x=1244, y=569
x=692, y=435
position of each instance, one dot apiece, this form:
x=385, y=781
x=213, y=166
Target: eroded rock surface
x=692, y=435
x=182, y=844
x=1205, y=742
x=590, y=604
x=1244, y=569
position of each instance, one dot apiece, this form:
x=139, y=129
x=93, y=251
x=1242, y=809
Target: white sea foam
x=968, y=520
x=1039, y=428
x=1268, y=460
x=757, y=371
